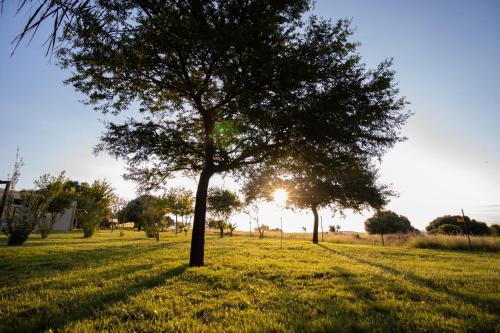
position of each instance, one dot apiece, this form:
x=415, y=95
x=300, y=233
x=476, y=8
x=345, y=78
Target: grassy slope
x=132, y=283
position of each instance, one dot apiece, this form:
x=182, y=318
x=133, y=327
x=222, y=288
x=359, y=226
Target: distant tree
x=185, y=226
x=132, y=212
x=211, y=223
x=388, y=222
x=261, y=228
x=222, y=203
x=222, y=85
x=495, y=229
x=180, y=203
x=117, y=206
x=56, y=199
x=232, y=227
x=332, y=228
x=93, y=204
x=152, y=216
x=470, y=226
x=304, y=229
x=449, y=229
x=221, y=225
x=316, y=180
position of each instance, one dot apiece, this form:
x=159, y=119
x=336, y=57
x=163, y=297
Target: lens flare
x=280, y=196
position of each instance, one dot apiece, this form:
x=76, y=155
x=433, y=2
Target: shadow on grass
x=492, y=306
x=58, y=313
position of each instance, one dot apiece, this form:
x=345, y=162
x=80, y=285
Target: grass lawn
x=130, y=283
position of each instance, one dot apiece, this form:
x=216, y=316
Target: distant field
x=130, y=283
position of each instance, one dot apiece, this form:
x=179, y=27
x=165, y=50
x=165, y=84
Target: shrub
x=469, y=226
x=19, y=222
x=449, y=229
x=488, y=244
x=495, y=230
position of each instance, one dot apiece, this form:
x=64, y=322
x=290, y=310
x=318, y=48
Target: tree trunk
x=316, y=223
x=200, y=211
x=221, y=232
x=176, y=225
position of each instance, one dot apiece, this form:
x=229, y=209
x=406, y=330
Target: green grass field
x=130, y=283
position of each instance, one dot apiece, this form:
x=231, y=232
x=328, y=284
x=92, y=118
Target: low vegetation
x=131, y=283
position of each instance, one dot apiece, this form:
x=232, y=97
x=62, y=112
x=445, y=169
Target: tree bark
x=316, y=223
x=200, y=210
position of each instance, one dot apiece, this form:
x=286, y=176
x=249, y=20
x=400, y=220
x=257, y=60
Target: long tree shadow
x=56, y=314
x=490, y=306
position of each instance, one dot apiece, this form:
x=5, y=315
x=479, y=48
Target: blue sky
x=447, y=58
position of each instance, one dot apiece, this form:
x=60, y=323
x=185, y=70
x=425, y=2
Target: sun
x=280, y=196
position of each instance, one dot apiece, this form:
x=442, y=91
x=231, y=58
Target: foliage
x=93, y=204
x=388, y=222
x=495, y=229
x=248, y=285
x=132, y=212
x=153, y=216
x=57, y=200
x=470, y=226
x=334, y=228
x=179, y=202
x=232, y=227
x=222, y=203
x=449, y=229
x=18, y=221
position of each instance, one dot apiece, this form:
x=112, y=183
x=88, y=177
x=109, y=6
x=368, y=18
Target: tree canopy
x=388, y=222
x=222, y=85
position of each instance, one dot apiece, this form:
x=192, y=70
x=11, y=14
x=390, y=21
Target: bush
x=469, y=226
x=449, y=229
x=487, y=244
x=19, y=222
x=495, y=230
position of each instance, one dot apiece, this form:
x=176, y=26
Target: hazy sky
x=447, y=58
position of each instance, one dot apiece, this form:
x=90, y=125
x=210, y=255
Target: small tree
x=180, y=203
x=93, y=202
x=221, y=225
x=18, y=222
x=153, y=217
x=332, y=228
x=232, y=227
x=222, y=204
x=387, y=222
x=57, y=200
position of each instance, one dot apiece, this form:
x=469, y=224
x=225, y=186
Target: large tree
x=221, y=85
